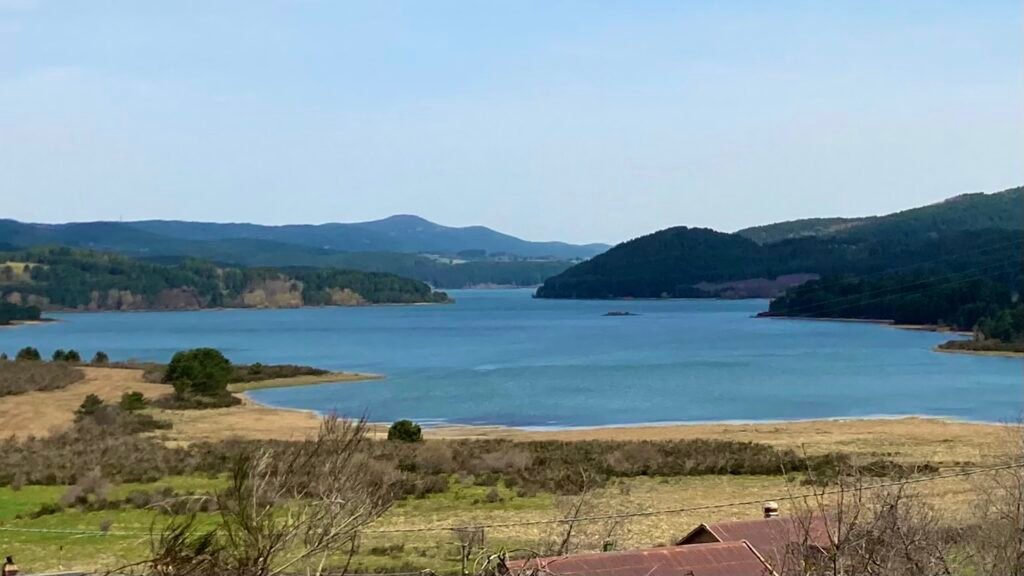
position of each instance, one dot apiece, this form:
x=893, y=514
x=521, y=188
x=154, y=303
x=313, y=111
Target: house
x=714, y=559
x=775, y=538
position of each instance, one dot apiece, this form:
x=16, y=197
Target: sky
x=580, y=121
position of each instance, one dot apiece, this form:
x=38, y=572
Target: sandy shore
x=328, y=378
x=912, y=439
x=16, y=323
x=993, y=353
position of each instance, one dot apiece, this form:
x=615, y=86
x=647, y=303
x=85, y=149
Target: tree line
x=61, y=277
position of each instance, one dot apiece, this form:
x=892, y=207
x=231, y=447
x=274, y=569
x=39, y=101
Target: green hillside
x=953, y=263
x=965, y=212
x=64, y=278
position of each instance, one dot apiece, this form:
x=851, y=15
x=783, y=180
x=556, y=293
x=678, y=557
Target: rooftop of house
x=715, y=559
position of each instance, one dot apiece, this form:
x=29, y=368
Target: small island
x=620, y=313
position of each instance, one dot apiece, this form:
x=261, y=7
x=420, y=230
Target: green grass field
x=128, y=537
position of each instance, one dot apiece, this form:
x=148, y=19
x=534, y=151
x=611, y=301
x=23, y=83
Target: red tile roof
x=716, y=559
x=771, y=537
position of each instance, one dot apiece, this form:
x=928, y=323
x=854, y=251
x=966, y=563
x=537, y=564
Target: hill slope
x=974, y=211
x=963, y=232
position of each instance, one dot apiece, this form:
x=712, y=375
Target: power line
x=625, y=515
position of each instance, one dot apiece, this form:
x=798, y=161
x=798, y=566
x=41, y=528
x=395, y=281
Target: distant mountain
x=389, y=245
x=962, y=233
x=964, y=212
x=402, y=233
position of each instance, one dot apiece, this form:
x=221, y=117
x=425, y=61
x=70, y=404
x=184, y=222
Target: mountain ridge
x=990, y=210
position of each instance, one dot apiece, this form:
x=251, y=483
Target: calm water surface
x=501, y=357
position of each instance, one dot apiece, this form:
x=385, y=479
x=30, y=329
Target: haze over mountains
x=401, y=233
x=409, y=246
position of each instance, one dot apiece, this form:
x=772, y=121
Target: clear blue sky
x=580, y=121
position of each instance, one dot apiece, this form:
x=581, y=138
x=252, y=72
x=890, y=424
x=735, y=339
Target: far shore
x=224, y=308
x=16, y=323
x=992, y=353
x=306, y=380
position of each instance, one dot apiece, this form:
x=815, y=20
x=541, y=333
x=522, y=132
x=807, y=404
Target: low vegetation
x=32, y=376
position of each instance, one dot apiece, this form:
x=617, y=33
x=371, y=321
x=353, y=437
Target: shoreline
x=229, y=308
x=454, y=430
x=989, y=353
x=305, y=380
x=17, y=323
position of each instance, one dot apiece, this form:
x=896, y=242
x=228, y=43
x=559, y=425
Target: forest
x=65, y=278
x=10, y=313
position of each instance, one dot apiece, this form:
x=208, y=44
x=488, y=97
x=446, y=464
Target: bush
x=200, y=371
x=194, y=402
x=58, y=355
x=72, y=356
x=89, y=407
x=405, y=431
x=28, y=354
x=132, y=401
x=100, y=357
x=22, y=377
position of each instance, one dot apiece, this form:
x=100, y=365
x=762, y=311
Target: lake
x=502, y=357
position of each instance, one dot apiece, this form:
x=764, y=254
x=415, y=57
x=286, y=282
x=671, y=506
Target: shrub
x=28, y=354
x=405, y=431
x=194, y=402
x=58, y=355
x=434, y=458
x=200, y=371
x=89, y=407
x=22, y=377
x=72, y=356
x=493, y=496
x=100, y=357
x=132, y=401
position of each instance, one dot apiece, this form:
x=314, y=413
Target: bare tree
x=284, y=509
x=854, y=527
x=998, y=541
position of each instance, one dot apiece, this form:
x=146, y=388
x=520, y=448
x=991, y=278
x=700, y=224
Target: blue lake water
x=502, y=357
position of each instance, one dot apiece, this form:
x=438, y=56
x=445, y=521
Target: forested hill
x=693, y=262
x=324, y=246
x=63, y=278
x=1004, y=210
x=958, y=263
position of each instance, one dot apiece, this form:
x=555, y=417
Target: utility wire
x=641, y=513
